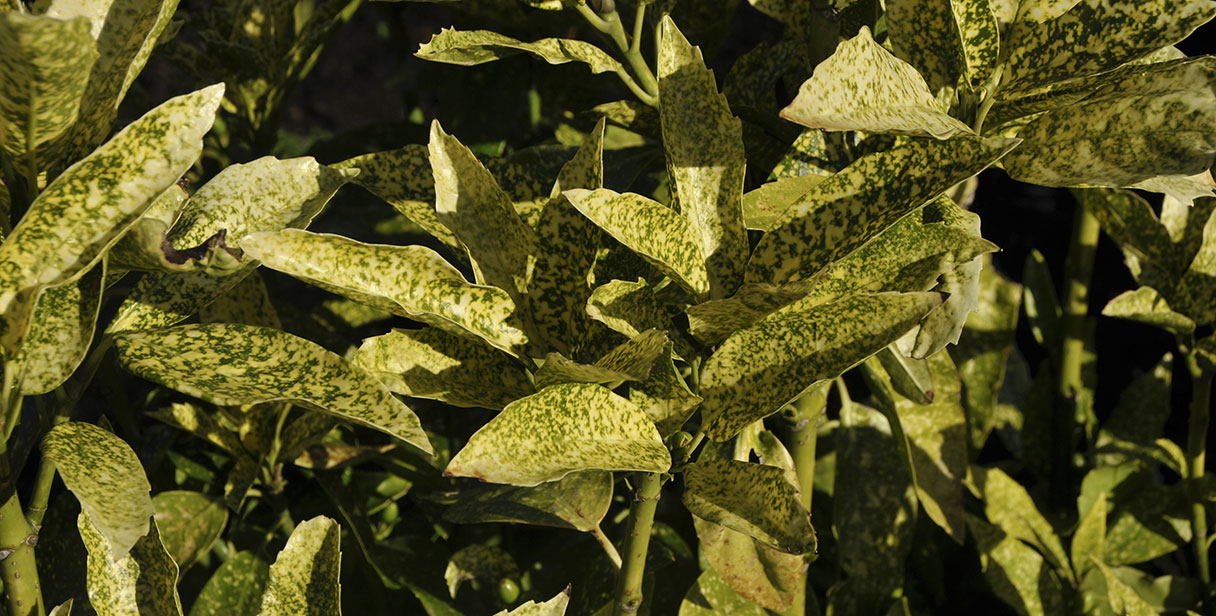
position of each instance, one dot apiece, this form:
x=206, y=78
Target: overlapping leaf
x=1009, y=506
x=665, y=396
x=1147, y=306
x=761, y=368
x=143, y=581
x=473, y=47
x=1017, y=573
x=562, y=429
x=627, y=308
x=235, y=589
x=704, y=146
x=661, y=236
x=229, y=364
x=864, y=87
x=764, y=206
x=553, y=607
x=753, y=499
x=403, y=178
x=188, y=522
x=578, y=501
x=630, y=361
x=431, y=363
x=960, y=280
x=304, y=577
x=108, y=480
x=411, y=281
x=61, y=331
x=843, y=212
x=712, y=595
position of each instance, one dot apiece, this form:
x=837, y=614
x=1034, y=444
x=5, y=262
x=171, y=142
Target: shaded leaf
x=1147, y=306
x=194, y=419
x=1041, y=302
x=189, y=522
x=1089, y=538
x=578, y=501
x=143, y=581
x=562, y=429
x=630, y=361
x=235, y=589
x=61, y=331
x=753, y=499
x=628, y=308
x=665, y=396
x=303, y=580
x=108, y=480
x=711, y=595
x=1016, y=573
x=1143, y=408
x=1123, y=599
x=712, y=321
x=553, y=607
x=248, y=302
x=229, y=364
x=1009, y=506
x=403, y=178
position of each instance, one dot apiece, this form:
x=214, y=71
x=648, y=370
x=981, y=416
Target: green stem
x=633, y=565
x=606, y=543
x=642, y=81
x=1196, y=446
x=17, y=539
x=1071, y=392
x=801, y=441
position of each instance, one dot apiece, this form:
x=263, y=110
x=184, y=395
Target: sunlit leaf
x=665, y=396
x=1123, y=598
x=1015, y=571
x=961, y=282
x=764, y=206
x=403, y=179
x=553, y=607
x=108, y=480
x=712, y=321
x=142, y=580
x=711, y=595
x=189, y=522
x=1088, y=541
x=473, y=47
x=1009, y=506
x=235, y=589
x=1147, y=306
x=61, y=331
x=578, y=501
x=304, y=577
x=229, y=364
x=562, y=429
x=248, y=302
x=753, y=499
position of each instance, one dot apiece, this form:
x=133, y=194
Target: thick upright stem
x=17, y=539
x=1196, y=452
x=801, y=441
x=641, y=521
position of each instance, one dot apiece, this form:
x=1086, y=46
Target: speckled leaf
x=578, y=501
x=1145, y=125
x=630, y=361
x=248, y=302
x=409, y=281
x=704, y=145
x=557, y=280
x=61, y=331
x=143, y=581
x=980, y=38
x=63, y=609
x=263, y=195
x=654, y=231
x=1089, y=538
x=481, y=215
x=1094, y=36
x=761, y=368
x=924, y=33
x=58, y=238
x=908, y=377
x=563, y=429
x=189, y=522
x=146, y=248
x=229, y=365
x=553, y=607
x=762, y=574
x=753, y=499
x=627, y=308
x=200, y=422
x=235, y=589
x=711, y=596
x=1009, y=506
x=944, y=325
x=1147, y=306
x=1196, y=291
x=93, y=10
x=876, y=506
x=1129, y=220
x=763, y=206
x=431, y=363
x=711, y=322
x=1015, y=571
x=473, y=47
x=841, y=213
x=106, y=477
x=304, y=577
x=46, y=64
x=665, y=396
x=403, y=179
x=936, y=440
x=1124, y=599
x=862, y=86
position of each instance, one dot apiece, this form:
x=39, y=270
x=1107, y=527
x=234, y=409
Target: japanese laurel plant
x=664, y=374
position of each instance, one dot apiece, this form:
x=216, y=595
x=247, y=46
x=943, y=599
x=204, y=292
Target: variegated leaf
x=266, y=194
x=235, y=589
x=1016, y=572
x=1092, y=36
x=936, y=440
x=563, y=429
x=304, y=577
x=247, y=302
x=473, y=47
x=108, y=480
x=403, y=179
x=711, y=322
x=753, y=499
x=46, y=64
x=410, y=281
x=1147, y=306
x=557, y=279
x=961, y=282
x=712, y=595
x=1009, y=506
x=93, y=10
x=984, y=349
x=1184, y=188
x=188, y=522
x=762, y=367
x=553, y=607
x=841, y=213
x=864, y=87
x=627, y=308
x=63, y=609
x=202, y=423
x=924, y=33
x=59, y=238
x=1088, y=541
x=143, y=581
x=764, y=206
x=704, y=145
x=630, y=361
x=1123, y=598
x=146, y=247
x=61, y=331
x=657, y=233
x=980, y=39
x=1145, y=125
x=228, y=364
x=665, y=396
x=470, y=203
x=431, y=363
x=578, y=500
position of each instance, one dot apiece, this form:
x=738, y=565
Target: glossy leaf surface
x=235, y=589
x=304, y=577
x=141, y=581
x=753, y=499
x=189, y=522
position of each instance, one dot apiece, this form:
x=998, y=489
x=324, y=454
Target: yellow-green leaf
x=200, y=422
x=403, y=178
x=143, y=581
x=864, y=87
x=960, y=281
x=189, y=522
x=63, y=609
x=229, y=365
x=630, y=361
x=578, y=501
x=266, y=194
x=1009, y=506
x=704, y=145
x=61, y=331
x=924, y=33
x=410, y=281
x=235, y=589
x=1088, y=541
x=1124, y=600
x=762, y=367
x=248, y=302
x=628, y=308
x=91, y=204
x=431, y=363
x=304, y=577
x=753, y=499
x=711, y=595
x=553, y=607
x=473, y=47
x=763, y=206
x=1147, y=306
x=841, y=213
x=762, y=574
x=1016, y=572
x=46, y=64
x=108, y=480
x=711, y=322
x=665, y=396
x=654, y=231
x=562, y=429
